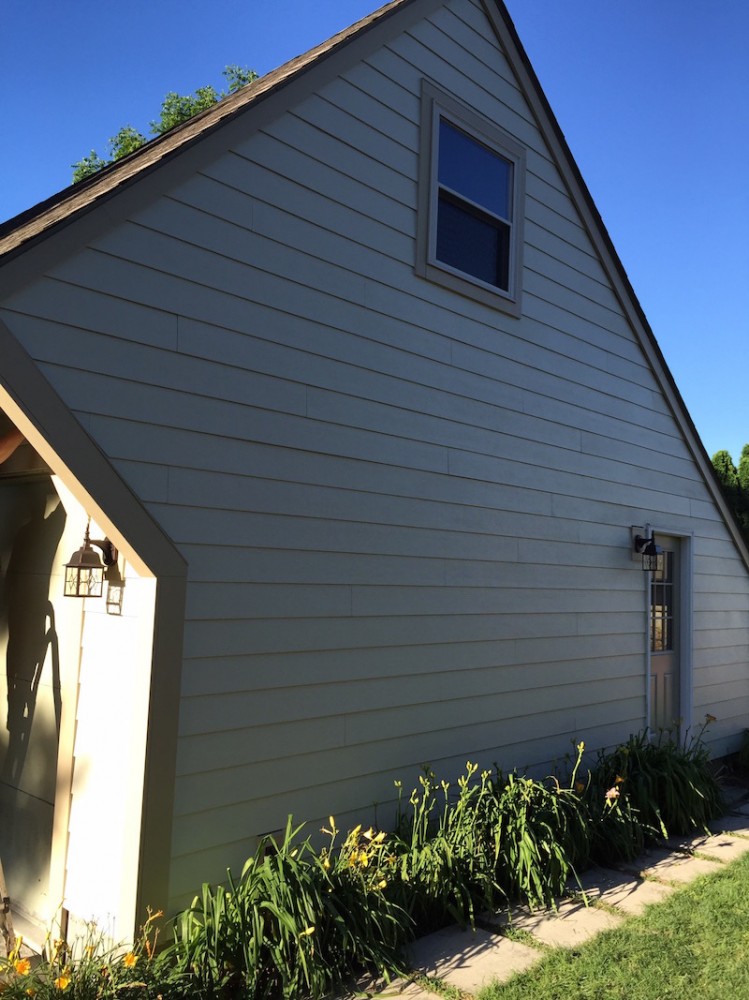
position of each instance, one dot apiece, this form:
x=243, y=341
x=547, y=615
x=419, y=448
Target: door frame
x=685, y=627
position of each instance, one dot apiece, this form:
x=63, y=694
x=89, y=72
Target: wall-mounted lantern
x=649, y=551
x=115, y=590
x=115, y=593
x=84, y=573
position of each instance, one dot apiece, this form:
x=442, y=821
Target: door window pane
x=662, y=605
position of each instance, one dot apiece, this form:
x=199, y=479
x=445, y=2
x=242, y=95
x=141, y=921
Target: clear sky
x=653, y=96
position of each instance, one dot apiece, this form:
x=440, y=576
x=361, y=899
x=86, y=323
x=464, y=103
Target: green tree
x=735, y=484
x=743, y=470
x=175, y=109
x=726, y=471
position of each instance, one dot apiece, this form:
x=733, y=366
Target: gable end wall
x=406, y=515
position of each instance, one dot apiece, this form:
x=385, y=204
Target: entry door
x=665, y=602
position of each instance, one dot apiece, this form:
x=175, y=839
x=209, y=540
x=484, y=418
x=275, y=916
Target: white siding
x=406, y=515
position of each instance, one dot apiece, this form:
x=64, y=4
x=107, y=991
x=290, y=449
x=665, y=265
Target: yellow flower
x=307, y=931
x=130, y=960
x=580, y=746
x=22, y=966
x=62, y=982
x=326, y=863
x=612, y=793
x=618, y=780
x=355, y=832
x=368, y=833
x=364, y=859
x=380, y=837
x=382, y=884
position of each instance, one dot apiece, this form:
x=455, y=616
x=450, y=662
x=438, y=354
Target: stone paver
x=398, y=989
x=403, y=991
x=735, y=796
x=661, y=863
x=632, y=897
x=676, y=870
x=731, y=824
x=620, y=889
x=686, y=845
x=469, y=960
x=725, y=847
x=571, y=924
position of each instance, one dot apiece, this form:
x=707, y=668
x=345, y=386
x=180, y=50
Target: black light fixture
x=84, y=573
x=649, y=551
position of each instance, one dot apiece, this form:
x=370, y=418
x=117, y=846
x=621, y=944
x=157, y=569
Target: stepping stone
x=632, y=897
x=724, y=847
x=397, y=989
x=734, y=795
x=470, y=960
x=731, y=824
x=400, y=990
x=594, y=881
x=687, y=844
x=571, y=925
x=619, y=889
x=662, y=864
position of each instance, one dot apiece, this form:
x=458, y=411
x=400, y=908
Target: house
x=349, y=373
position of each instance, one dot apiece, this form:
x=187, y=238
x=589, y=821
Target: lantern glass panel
x=649, y=562
x=83, y=581
x=114, y=598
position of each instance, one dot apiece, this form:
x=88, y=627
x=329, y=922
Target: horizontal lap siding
x=406, y=516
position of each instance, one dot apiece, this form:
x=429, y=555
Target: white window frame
x=436, y=105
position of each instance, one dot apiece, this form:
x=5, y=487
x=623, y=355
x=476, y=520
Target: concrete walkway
x=469, y=960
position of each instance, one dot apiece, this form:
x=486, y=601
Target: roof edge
x=40, y=220
x=622, y=286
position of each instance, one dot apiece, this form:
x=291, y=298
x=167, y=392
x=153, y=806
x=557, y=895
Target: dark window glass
x=473, y=171
x=473, y=242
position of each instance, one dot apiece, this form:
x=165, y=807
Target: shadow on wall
x=34, y=520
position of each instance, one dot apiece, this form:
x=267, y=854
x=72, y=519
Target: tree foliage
x=175, y=109
x=743, y=470
x=735, y=485
x=726, y=470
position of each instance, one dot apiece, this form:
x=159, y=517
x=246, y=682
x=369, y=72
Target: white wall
x=106, y=783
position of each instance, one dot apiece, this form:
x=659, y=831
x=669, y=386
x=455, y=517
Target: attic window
x=472, y=175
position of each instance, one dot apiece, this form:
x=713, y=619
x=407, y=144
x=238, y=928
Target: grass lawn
x=694, y=945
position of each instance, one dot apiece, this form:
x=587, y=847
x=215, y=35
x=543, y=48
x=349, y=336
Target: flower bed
x=300, y=920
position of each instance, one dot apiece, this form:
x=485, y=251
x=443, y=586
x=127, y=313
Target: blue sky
x=652, y=96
